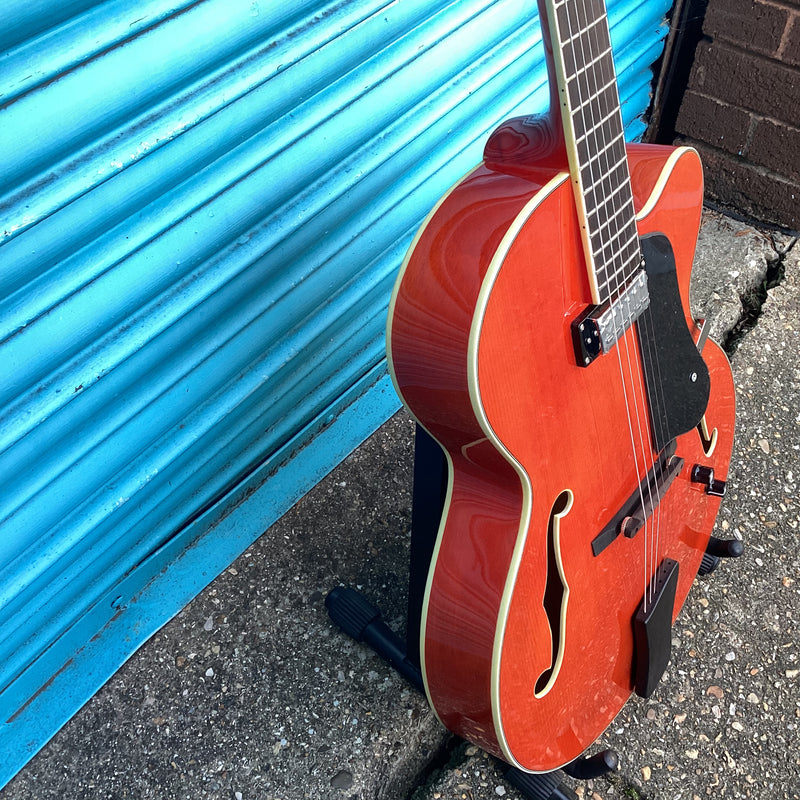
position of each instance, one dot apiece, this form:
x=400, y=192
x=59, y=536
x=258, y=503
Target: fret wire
x=613, y=279
x=622, y=209
x=618, y=247
x=605, y=172
x=631, y=263
x=582, y=109
x=619, y=276
x=600, y=32
x=617, y=199
x=607, y=251
x=604, y=219
x=584, y=33
x=624, y=271
x=597, y=101
x=632, y=239
x=630, y=236
x=633, y=259
x=606, y=74
x=613, y=218
x=601, y=193
x=589, y=65
x=615, y=283
x=609, y=124
x=601, y=221
x=612, y=152
x=605, y=159
x=579, y=115
x=589, y=40
x=610, y=243
x=604, y=100
x=593, y=64
x=607, y=194
x=620, y=267
x=609, y=175
x=608, y=114
x=621, y=159
x=607, y=275
x=593, y=108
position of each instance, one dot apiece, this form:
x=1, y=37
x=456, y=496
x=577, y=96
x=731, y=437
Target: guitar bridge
x=599, y=328
x=630, y=519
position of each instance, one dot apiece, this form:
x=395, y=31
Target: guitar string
x=600, y=34
x=582, y=104
x=644, y=323
x=618, y=202
x=592, y=134
x=626, y=345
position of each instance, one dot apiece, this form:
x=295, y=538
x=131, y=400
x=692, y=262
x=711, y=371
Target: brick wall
x=741, y=108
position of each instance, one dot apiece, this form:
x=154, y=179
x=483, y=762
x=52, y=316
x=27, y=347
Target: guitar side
x=526, y=639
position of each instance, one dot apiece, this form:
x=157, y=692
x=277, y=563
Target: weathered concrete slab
x=731, y=264
x=250, y=693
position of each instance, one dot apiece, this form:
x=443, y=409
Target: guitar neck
x=592, y=123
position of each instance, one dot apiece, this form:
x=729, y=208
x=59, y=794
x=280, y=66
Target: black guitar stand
x=362, y=621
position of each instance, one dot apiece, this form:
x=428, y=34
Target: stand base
x=362, y=621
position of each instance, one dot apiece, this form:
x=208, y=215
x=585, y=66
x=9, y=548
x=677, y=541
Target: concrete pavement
x=251, y=694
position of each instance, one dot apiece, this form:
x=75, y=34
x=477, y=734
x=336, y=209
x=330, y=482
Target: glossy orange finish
x=490, y=371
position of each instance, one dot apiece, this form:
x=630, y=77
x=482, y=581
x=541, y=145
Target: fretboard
x=595, y=142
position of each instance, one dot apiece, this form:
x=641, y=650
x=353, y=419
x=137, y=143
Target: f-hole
x=556, y=593
x=707, y=439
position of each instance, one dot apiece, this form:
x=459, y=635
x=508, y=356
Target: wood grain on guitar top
x=535, y=668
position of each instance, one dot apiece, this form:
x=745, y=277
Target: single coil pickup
x=630, y=519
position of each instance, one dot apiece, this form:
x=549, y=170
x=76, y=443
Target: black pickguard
x=677, y=379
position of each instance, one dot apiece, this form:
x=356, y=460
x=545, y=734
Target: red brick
x=750, y=189
x=776, y=147
x=746, y=80
x=719, y=124
x=748, y=23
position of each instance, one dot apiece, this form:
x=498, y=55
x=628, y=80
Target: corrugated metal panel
x=202, y=209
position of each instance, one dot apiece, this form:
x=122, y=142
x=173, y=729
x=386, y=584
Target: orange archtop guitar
x=540, y=331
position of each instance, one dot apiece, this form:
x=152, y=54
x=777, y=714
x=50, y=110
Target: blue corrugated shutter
x=203, y=206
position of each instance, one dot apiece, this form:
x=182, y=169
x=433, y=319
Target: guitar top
x=540, y=331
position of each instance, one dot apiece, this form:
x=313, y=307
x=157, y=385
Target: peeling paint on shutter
x=203, y=206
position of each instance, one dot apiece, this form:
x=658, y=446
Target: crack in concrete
x=753, y=299
x=452, y=755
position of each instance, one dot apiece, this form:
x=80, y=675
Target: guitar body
x=527, y=639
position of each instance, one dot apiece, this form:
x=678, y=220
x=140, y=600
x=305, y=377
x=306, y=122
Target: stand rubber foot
x=362, y=621
x=584, y=769
x=717, y=550
x=545, y=786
